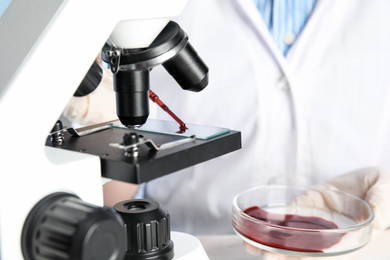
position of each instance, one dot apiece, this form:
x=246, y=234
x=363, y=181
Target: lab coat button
x=289, y=38
x=283, y=84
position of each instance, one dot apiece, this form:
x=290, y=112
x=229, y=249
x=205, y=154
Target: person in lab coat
x=312, y=103
x=316, y=109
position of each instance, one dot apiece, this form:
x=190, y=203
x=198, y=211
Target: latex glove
x=369, y=184
x=97, y=107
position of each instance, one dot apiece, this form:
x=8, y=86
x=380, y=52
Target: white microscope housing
x=46, y=48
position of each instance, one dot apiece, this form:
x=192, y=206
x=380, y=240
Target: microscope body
x=46, y=49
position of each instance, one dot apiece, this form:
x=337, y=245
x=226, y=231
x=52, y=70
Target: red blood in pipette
x=311, y=239
x=157, y=100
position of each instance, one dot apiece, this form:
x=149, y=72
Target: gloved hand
x=369, y=184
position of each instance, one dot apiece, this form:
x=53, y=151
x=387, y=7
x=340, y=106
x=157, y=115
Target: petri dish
x=302, y=221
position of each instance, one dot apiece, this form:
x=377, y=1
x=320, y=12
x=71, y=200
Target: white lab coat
x=322, y=111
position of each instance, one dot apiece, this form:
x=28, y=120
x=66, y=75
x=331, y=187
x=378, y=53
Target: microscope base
x=187, y=247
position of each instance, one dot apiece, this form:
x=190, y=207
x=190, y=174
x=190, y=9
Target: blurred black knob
x=91, y=81
x=61, y=226
x=130, y=138
x=148, y=230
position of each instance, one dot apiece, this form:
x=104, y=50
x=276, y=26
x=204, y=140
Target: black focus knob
x=130, y=138
x=148, y=230
x=61, y=226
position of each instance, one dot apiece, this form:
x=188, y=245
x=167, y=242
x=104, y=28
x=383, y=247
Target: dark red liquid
x=157, y=100
x=309, y=240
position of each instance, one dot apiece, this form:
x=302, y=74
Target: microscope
x=51, y=200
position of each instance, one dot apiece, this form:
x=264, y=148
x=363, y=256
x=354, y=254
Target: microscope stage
x=150, y=163
x=171, y=128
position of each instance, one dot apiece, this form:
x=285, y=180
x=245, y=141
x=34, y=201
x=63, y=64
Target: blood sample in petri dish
x=290, y=231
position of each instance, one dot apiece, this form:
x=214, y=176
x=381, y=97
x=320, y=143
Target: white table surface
x=231, y=247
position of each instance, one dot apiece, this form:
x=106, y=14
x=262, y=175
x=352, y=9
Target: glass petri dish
x=302, y=221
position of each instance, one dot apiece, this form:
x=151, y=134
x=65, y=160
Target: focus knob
x=147, y=228
x=61, y=226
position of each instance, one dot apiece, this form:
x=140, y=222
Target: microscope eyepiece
x=91, y=81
